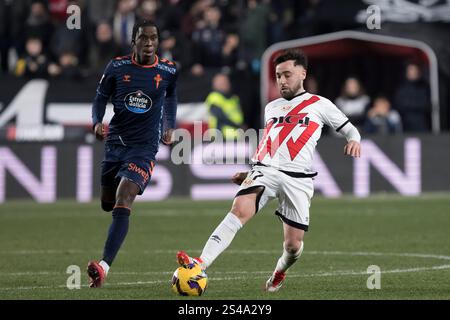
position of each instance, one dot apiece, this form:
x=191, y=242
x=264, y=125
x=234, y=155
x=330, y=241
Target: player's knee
x=124, y=201
x=107, y=206
x=292, y=246
x=126, y=193
x=241, y=211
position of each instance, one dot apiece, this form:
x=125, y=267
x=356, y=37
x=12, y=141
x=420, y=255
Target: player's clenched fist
x=239, y=177
x=353, y=149
x=99, y=131
x=167, y=137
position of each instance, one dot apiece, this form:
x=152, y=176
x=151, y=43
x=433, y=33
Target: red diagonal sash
x=270, y=146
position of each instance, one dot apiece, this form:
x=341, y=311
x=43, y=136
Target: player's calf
x=108, y=198
x=107, y=206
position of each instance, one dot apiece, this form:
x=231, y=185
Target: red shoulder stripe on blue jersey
x=170, y=63
x=121, y=57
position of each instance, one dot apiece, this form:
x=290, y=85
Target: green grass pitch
x=408, y=238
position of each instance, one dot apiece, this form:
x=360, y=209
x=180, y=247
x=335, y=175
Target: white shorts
x=294, y=194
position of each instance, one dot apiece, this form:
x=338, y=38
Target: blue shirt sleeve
x=105, y=89
x=170, y=105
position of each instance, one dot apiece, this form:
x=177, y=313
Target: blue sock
x=116, y=234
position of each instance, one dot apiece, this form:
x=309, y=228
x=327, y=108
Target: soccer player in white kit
x=282, y=167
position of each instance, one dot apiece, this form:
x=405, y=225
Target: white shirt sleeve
x=332, y=116
x=350, y=133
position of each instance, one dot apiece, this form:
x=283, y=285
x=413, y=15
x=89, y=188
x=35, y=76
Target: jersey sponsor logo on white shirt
x=292, y=130
x=288, y=123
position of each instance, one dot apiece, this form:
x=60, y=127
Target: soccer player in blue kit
x=142, y=88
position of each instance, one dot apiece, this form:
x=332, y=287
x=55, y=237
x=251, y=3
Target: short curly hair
x=298, y=56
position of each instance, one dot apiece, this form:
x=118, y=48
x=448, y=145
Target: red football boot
x=96, y=274
x=184, y=260
x=275, y=281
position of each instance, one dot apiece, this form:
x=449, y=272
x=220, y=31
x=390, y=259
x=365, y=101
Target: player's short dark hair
x=141, y=24
x=298, y=56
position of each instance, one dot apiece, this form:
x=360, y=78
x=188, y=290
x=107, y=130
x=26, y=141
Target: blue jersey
x=144, y=99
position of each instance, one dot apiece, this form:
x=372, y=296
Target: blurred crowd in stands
x=228, y=36
x=408, y=111
x=195, y=33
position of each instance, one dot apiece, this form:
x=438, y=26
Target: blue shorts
x=133, y=163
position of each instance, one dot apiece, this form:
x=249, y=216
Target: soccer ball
x=189, y=281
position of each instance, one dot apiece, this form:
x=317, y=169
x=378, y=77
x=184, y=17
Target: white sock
x=220, y=239
x=105, y=266
x=287, y=259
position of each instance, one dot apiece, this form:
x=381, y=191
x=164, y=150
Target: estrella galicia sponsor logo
x=138, y=102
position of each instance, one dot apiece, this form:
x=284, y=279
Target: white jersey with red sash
x=292, y=129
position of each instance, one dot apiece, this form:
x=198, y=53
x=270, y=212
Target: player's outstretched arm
x=239, y=177
x=353, y=146
x=336, y=119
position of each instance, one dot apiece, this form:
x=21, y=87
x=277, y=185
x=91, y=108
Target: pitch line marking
x=355, y=253
x=292, y=275
x=350, y=253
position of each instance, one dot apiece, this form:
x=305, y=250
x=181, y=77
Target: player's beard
x=290, y=93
